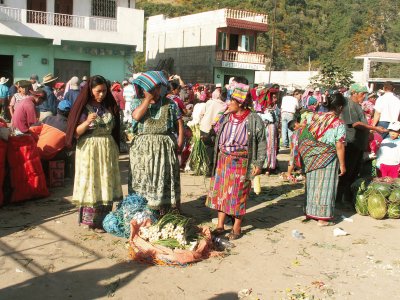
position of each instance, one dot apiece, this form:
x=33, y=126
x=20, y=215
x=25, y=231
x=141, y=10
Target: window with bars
x=104, y=8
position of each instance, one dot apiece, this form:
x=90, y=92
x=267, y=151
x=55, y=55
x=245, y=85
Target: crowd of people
x=332, y=137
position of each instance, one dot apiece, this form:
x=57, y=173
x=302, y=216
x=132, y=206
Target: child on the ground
x=294, y=158
x=388, y=157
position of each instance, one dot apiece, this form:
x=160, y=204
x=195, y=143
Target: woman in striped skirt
x=239, y=155
x=321, y=146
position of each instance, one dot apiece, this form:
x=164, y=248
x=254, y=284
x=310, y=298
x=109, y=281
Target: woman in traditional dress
x=94, y=122
x=158, y=128
x=321, y=146
x=239, y=155
x=271, y=121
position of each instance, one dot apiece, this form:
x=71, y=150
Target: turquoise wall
x=107, y=60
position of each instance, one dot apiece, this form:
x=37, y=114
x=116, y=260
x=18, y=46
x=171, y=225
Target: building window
x=104, y=8
x=222, y=40
x=247, y=43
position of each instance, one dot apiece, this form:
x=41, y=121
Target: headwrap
x=239, y=93
x=149, y=80
x=83, y=98
x=116, y=87
x=358, y=88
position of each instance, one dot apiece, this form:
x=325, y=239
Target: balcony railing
x=239, y=56
x=246, y=16
x=10, y=14
x=54, y=19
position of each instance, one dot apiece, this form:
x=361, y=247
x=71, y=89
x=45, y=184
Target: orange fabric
x=51, y=140
x=144, y=251
x=27, y=177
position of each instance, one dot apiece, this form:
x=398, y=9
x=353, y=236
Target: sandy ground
x=44, y=254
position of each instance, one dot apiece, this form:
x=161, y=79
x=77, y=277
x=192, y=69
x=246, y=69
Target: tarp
x=27, y=177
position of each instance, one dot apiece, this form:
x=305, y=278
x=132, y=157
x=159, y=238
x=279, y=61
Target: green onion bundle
x=198, y=159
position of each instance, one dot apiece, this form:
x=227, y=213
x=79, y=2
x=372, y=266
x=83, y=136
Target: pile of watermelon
x=378, y=198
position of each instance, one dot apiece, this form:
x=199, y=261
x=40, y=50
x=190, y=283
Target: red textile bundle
x=26, y=172
x=3, y=152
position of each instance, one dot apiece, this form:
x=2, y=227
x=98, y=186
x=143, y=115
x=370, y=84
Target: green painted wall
x=28, y=54
x=219, y=74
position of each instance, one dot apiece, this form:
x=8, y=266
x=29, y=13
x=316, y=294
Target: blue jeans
x=286, y=132
x=383, y=124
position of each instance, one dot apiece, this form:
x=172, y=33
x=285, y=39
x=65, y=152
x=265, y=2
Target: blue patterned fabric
x=132, y=207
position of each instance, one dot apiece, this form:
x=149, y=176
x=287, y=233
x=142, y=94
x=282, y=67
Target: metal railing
x=54, y=19
x=239, y=56
x=40, y=17
x=246, y=16
x=10, y=14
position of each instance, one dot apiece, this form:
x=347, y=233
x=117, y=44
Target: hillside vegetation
x=310, y=30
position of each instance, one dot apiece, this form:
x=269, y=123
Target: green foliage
x=332, y=76
x=310, y=29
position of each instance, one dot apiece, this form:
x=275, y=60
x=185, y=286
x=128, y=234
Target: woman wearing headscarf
x=239, y=155
x=270, y=116
x=94, y=123
x=321, y=146
x=158, y=128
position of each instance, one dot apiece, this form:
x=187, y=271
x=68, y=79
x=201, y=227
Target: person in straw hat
x=48, y=107
x=4, y=93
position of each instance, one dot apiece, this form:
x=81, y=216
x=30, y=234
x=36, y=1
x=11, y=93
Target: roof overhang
x=246, y=25
x=381, y=57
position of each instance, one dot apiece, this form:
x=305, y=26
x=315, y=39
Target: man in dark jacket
x=48, y=107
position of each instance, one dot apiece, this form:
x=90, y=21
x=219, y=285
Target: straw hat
x=49, y=78
x=3, y=80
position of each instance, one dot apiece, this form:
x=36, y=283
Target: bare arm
x=180, y=134
x=377, y=116
x=340, y=154
x=83, y=127
x=140, y=111
x=361, y=125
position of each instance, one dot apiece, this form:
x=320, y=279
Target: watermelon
x=395, y=196
x=393, y=211
x=362, y=204
x=377, y=206
x=380, y=188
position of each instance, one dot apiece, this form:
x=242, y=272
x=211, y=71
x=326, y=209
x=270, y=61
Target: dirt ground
x=44, y=254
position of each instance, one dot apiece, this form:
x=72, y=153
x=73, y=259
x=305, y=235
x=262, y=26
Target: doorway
x=233, y=42
x=35, y=13
x=65, y=69
x=7, y=68
x=63, y=7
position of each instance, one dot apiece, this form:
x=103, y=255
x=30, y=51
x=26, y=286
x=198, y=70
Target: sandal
x=218, y=231
x=234, y=236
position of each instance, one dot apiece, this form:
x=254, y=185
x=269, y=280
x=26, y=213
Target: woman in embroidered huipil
x=94, y=122
x=321, y=146
x=158, y=128
x=240, y=148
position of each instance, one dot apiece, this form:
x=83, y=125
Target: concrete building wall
x=294, y=78
x=188, y=40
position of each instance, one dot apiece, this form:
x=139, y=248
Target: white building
x=69, y=37
x=206, y=47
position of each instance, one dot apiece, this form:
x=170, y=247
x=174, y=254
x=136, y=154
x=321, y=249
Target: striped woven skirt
x=321, y=191
x=229, y=188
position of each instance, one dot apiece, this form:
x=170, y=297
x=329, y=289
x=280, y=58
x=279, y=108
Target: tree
x=332, y=76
